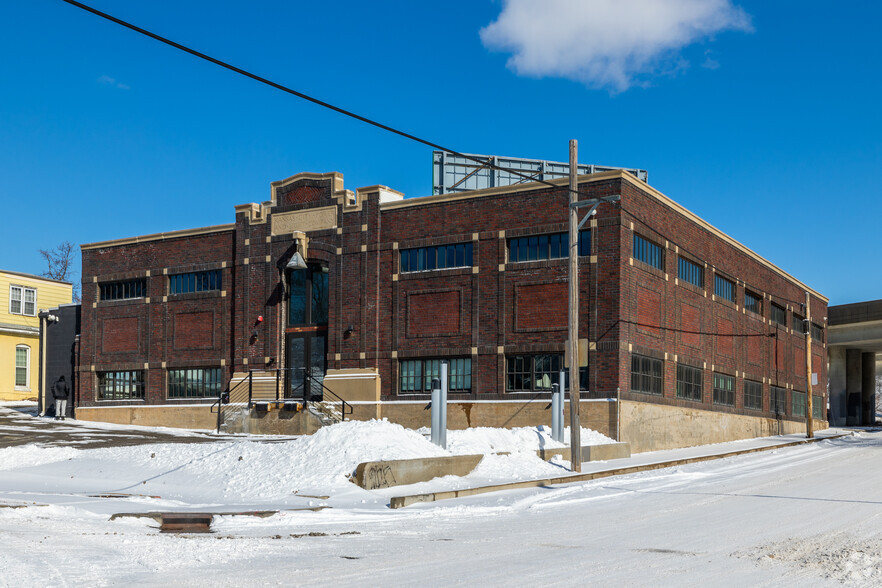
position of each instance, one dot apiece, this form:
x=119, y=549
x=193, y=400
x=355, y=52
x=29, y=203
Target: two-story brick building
x=688, y=335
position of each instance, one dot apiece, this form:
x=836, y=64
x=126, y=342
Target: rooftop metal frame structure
x=454, y=173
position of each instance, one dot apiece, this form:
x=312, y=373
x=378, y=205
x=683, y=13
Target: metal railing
x=310, y=389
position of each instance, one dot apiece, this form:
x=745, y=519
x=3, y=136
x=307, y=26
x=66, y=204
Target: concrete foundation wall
x=653, y=427
x=179, y=417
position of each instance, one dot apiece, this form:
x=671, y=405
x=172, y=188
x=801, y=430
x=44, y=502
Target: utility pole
x=573, y=319
x=809, y=425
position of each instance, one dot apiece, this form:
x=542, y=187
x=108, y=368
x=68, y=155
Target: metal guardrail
x=311, y=389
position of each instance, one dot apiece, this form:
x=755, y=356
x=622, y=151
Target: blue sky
x=761, y=117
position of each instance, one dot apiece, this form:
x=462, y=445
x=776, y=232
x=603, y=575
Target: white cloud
x=611, y=44
x=109, y=81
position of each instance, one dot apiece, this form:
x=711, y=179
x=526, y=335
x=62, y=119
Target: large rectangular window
x=690, y=272
x=724, y=288
x=779, y=315
x=194, y=383
x=797, y=400
x=124, y=290
x=194, y=282
x=127, y=385
x=308, y=298
x=22, y=365
x=551, y=246
x=689, y=382
x=753, y=302
x=648, y=252
x=537, y=373
x=778, y=397
x=817, y=407
x=724, y=390
x=22, y=300
x=753, y=395
x=416, y=375
x=439, y=257
x=647, y=374
x=817, y=333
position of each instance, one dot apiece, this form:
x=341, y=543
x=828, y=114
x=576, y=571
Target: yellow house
x=21, y=298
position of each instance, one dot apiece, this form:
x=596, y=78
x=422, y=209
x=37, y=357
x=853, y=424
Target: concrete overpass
x=854, y=350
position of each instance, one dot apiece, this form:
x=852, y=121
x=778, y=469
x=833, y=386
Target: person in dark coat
x=61, y=392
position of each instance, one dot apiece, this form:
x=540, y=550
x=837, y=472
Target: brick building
x=688, y=336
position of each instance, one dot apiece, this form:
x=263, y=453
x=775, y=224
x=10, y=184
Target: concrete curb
x=402, y=501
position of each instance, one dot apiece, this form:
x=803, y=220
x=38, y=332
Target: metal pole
x=445, y=386
x=556, y=413
x=561, y=388
x=809, y=425
x=573, y=319
x=436, y=411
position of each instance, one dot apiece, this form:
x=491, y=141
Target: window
x=817, y=407
x=121, y=385
x=724, y=390
x=689, y=382
x=136, y=288
x=646, y=374
x=798, y=403
x=797, y=324
x=22, y=365
x=779, y=315
x=416, y=375
x=194, y=282
x=308, y=301
x=817, y=333
x=690, y=272
x=553, y=246
x=648, y=252
x=22, y=300
x=753, y=395
x=536, y=373
x=724, y=288
x=441, y=257
x=753, y=302
x=194, y=383
x=778, y=400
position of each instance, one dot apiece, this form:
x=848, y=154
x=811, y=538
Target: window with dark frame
x=778, y=397
x=647, y=375
x=817, y=407
x=648, y=252
x=206, y=281
x=194, y=383
x=817, y=333
x=537, y=373
x=421, y=259
x=797, y=324
x=690, y=272
x=124, y=290
x=416, y=375
x=779, y=315
x=724, y=390
x=548, y=246
x=798, y=402
x=753, y=395
x=724, y=288
x=308, y=299
x=690, y=381
x=753, y=302
x=121, y=385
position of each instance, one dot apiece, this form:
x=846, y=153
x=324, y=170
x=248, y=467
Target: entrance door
x=306, y=351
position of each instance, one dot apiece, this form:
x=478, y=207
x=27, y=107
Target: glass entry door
x=306, y=353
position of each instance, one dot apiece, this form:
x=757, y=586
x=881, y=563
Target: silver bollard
x=556, y=412
x=436, y=411
x=561, y=378
x=445, y=386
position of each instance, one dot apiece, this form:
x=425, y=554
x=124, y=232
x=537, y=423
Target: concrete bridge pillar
x=868, y=388
x=836, y=381
x=853, y=383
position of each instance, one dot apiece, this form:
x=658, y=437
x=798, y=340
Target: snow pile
x=32, y=455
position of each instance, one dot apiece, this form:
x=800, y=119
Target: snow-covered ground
x=808, y=514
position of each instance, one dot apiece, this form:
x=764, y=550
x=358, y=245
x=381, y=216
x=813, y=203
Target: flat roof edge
x=159, y=236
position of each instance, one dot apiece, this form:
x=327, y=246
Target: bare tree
x=60, y=265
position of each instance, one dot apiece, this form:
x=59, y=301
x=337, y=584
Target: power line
x=301, y=95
